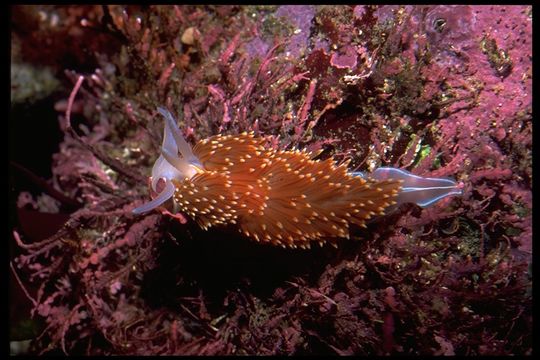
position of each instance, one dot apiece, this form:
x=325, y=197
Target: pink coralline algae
x=441, y=91
x=346, y=59
x=300, y=17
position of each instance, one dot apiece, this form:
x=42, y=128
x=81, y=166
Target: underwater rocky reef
x=440, y=91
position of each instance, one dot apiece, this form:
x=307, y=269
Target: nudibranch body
x=280, y=197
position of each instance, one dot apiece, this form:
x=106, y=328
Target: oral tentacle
x=169, y=142
x=164, y=195
x=183, y=146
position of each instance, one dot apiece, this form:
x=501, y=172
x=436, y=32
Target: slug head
x=169, y=165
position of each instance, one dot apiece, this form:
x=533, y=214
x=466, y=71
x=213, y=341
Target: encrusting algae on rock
x=277, y=196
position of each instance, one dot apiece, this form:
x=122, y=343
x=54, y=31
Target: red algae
x=437, y=90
